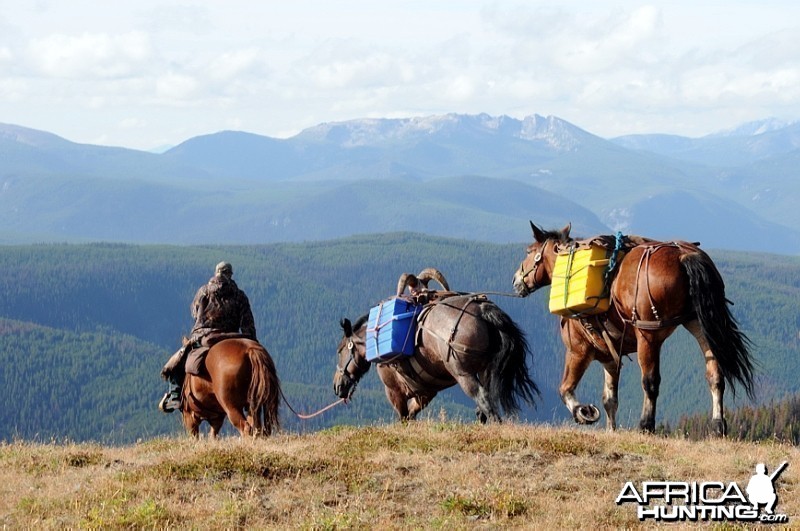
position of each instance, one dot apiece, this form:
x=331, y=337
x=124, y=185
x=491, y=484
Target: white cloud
x=370, y=70
x=591, y=44
x=613, y=67
x=13, y=90
x=90, y=55
x=236, y=63
x=132, y=123
x=460, y=88
x=175, y=88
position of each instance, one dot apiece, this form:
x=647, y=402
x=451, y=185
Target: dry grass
x=427, y=475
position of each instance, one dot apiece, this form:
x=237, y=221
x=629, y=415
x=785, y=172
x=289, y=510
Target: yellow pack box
x=578, y=284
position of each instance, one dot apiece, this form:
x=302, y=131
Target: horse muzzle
x=343, y=386
x=520, y=287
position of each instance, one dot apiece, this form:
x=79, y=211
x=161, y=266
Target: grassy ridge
x=426, y=475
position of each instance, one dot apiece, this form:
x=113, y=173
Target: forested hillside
x=778, y=421
x=85, y=329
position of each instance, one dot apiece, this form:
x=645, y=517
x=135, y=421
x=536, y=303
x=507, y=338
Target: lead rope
x=500, y=293
x=310, y=415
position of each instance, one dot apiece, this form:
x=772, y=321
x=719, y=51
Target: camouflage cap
x=224, y=268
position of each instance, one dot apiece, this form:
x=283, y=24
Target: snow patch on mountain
x=556, y=133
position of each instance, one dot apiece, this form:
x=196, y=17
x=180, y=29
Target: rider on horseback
x=218, y=306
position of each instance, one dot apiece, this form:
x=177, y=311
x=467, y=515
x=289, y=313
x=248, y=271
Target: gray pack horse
x=658, y=287
x=239, y=382
x=462, y=339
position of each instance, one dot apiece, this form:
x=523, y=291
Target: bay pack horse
x=462, y=339
x=658, y=286
x=239, y=382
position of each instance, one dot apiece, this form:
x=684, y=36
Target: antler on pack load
x=418, y=286
x=420, y=281
x=430, y=273
x=406, y=280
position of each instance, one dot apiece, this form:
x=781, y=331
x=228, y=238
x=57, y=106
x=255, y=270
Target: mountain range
x=476, y=177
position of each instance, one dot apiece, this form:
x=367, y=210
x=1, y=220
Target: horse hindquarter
x=483, y=349
x=241, y=376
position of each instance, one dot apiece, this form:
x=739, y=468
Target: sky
x=154, y=73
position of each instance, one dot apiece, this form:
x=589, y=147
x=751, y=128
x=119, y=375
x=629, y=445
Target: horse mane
x=562, y=235
x=557, y=235
x=360, y=322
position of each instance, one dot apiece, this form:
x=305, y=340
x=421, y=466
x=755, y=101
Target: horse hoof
x=586, y=414
x=647, y=426
x=719, y=428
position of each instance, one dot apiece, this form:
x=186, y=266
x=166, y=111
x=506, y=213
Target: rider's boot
x=173, y=371
x=172, y=398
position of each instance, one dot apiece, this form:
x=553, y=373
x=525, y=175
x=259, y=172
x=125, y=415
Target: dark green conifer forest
x=85, y=329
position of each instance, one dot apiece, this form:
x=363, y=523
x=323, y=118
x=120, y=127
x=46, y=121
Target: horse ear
x=538, y=234
x=347, y=326
x=565, y=231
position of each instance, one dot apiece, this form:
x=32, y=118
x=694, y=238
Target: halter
x=537, y=260
x=350, y=380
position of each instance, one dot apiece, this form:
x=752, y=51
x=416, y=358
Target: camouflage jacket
x=220, y=306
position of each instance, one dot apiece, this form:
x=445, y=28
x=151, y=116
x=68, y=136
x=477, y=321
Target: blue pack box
x=391, y=328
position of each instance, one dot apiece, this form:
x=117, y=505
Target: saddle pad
x=196, y=360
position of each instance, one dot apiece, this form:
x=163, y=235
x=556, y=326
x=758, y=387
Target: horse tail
x=731, y=347
x=264, y=392
x=509, y=379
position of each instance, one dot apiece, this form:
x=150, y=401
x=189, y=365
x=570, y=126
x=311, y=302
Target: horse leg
x=575, y=366
x=216, y=426
x=191, y=423
x=716, y=382
x=648, y=352
x=610, y=393
x=256, y=421
x=400, y=403
x=487, y=410
x=417, y=404
x=237, y=418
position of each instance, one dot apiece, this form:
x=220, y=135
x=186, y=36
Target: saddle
x=431, y=296
x=196, y=359
x=609, y=242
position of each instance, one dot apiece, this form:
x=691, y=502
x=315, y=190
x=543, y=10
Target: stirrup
x=169, y=403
